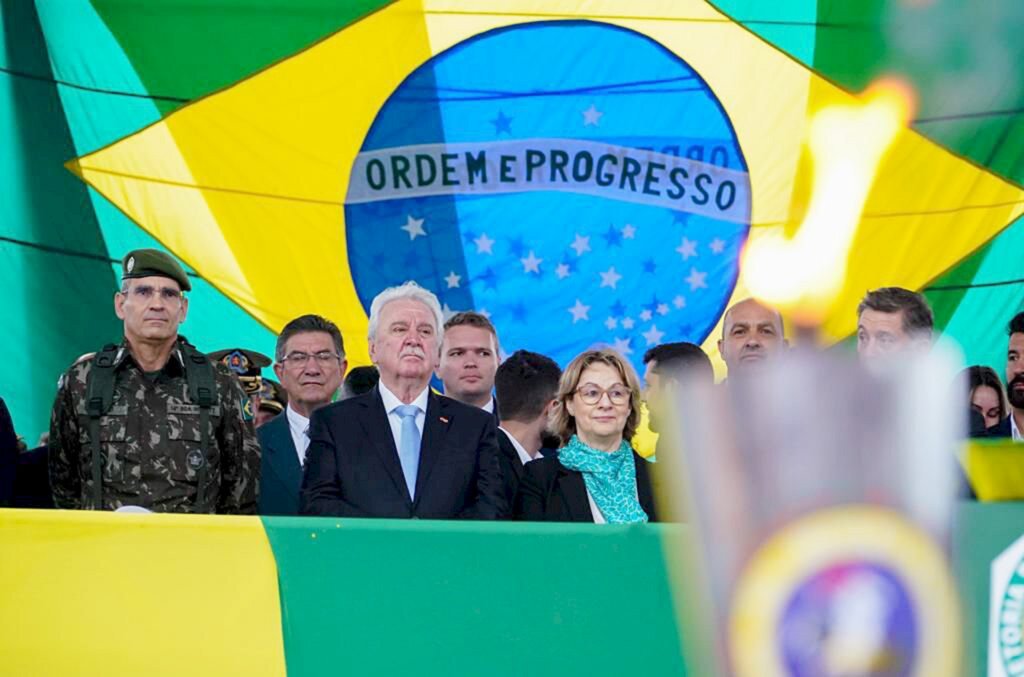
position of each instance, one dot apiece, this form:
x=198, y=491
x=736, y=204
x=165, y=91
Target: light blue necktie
x=409, y=445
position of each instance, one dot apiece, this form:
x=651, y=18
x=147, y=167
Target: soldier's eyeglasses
x=323, y=358
x=591, y=394
x=145, y=293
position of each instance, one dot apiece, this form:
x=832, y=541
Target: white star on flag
x=531, y=264
x=485, y=313
x=653, y=336
x=622, y=345
x=453, y=280
x=447, y=312
x=645, y=316
x=580, y=244
x=663, y=309
x=592, y=116
x=687, y=248
x=679, y=302
x=696, y=279
x=717, y=246
x=627, y=323
x=562, y=271
x=483, y=244
x=414, y=227
x=579, y=312
x=628, y=231
x=611, y=323
x=610, y=278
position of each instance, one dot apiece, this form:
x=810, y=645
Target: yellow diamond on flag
x=280, y=166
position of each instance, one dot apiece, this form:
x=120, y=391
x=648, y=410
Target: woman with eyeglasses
x=596, y=476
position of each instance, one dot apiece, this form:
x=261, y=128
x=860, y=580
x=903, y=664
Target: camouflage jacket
x=146, y=439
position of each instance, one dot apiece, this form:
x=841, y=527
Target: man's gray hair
x=409, y=290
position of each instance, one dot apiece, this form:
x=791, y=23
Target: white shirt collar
x=391, y=400
x=1014, y=430
x=296, y=421
x=489, y=407
x=524, y=455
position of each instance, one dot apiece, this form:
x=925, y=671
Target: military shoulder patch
x=247, y=413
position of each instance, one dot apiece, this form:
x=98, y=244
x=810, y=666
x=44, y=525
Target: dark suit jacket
x=280, y=472
x=550, y=492
x=1001, y=429
x=32, y=481
x=8, y=455
x=352, y=466
x=512, y=469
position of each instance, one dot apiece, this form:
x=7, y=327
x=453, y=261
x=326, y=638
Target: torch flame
x=802, y=275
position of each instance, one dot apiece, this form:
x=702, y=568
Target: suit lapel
x=377, y=429
x=281, y=453
x=508, y=450
x=574, y=494
x=435, y=430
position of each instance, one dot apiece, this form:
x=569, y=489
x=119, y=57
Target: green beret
x=245, y=363
x=153, y=263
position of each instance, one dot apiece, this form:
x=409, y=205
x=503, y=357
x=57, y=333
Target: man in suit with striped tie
x=310, y=361
x=400, y=450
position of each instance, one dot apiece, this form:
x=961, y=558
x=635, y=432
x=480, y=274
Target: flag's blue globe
x=575, y=181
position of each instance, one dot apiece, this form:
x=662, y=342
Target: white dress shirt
x=298, y=425
x=489, y=407
x=391, y=402
x=1014, y=431
x=594, y=510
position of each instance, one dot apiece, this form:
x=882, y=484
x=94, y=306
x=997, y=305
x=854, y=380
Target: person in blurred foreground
x=596, y=476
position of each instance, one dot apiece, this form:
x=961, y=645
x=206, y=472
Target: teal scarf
x=610, y=478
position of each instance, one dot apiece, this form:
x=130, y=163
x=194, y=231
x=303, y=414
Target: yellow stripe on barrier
x=85, y=593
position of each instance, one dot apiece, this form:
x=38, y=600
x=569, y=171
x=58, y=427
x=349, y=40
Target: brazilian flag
x=300, y=156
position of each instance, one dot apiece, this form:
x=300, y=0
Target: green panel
x=389, y=597
x=185, y=49
x=979, y=320
x=789, y=25
x=981, y=532
x=49, y=294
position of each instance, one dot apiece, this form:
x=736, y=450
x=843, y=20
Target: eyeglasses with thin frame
x=144, y=292
x=299, y=359
x=592, y=394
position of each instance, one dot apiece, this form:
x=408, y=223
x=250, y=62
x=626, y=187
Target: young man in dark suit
x=401, y=451
x=469, y=359
x=526, y=384
x=310, y=361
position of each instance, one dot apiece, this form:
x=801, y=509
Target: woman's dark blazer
x=550, y=492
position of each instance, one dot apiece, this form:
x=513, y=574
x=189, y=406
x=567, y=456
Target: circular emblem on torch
x=846, y=591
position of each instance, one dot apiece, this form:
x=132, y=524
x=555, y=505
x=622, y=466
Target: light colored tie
x=409, y=445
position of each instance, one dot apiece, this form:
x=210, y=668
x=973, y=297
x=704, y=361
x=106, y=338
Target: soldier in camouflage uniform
x=153, y=452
